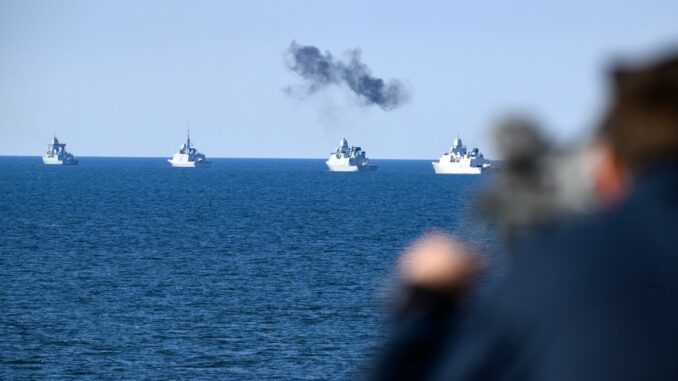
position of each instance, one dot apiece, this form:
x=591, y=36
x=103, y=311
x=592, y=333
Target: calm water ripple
x=251, y=269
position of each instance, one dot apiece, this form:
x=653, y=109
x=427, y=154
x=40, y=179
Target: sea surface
x=252, y=269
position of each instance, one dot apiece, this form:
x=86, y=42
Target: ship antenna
x=188, y=133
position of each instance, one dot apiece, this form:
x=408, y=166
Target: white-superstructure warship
x=349, y=159
x=57, y=155
x=460, y=161
x=188, y=156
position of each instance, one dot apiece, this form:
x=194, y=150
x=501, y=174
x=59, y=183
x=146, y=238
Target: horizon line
x=222, y=157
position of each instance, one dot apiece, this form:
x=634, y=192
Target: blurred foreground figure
x=539, y=186
x=595, y=300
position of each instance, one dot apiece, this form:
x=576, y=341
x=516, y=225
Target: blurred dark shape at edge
x=540, y=184
x=641, y=122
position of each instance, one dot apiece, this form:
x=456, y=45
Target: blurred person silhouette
x=593, y=299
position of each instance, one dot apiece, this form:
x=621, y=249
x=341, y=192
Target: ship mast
x=188, y=134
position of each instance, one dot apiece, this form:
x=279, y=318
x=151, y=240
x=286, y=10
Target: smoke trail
x=320, y=70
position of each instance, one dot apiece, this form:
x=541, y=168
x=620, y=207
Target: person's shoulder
x=569, y=259
x=574, y=241
x=604, y=237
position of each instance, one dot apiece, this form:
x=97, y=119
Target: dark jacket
x=598, y=301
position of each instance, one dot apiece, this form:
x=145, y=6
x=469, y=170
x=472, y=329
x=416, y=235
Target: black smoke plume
x=320, y=70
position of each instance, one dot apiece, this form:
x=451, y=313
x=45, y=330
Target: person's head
x=640, y=128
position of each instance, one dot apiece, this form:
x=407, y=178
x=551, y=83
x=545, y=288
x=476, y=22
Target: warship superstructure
x=349, y=159
x=459, y=160
x=57, y=155
x=188, y=156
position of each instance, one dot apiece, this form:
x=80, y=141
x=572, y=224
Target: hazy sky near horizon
x=122, y=78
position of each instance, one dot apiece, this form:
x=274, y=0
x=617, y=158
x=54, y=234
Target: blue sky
x=121, y=78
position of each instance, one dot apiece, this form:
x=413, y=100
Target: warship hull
x=350, y=168
x=188, y=164
x=56, y=161
x=455, y=169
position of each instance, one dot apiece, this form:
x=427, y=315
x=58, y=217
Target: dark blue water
x=251, y=269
